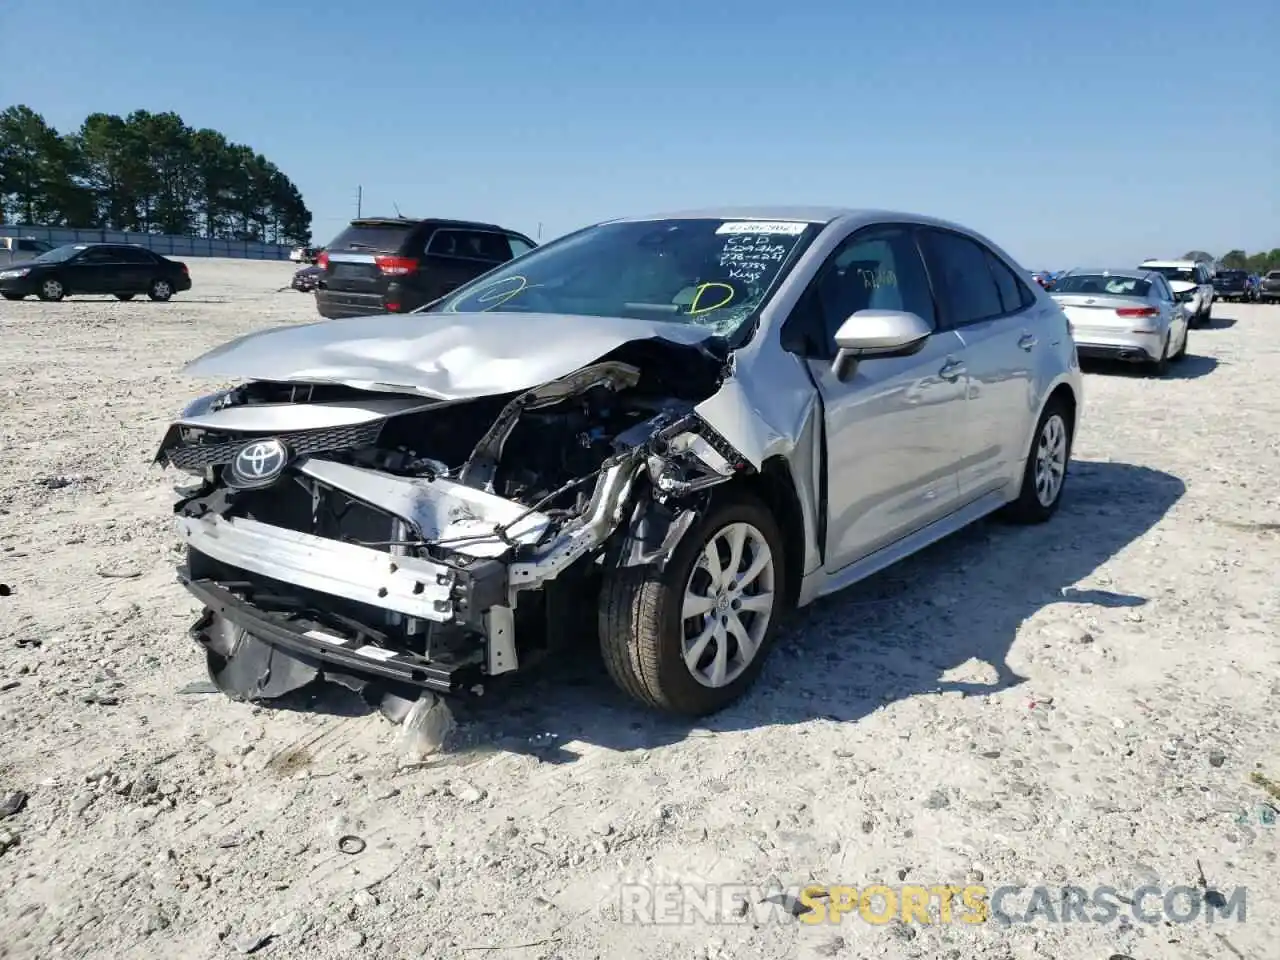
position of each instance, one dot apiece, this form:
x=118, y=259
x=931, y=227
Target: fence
x=164, y=244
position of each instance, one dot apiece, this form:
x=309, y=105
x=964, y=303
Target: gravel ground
x=1085, y=703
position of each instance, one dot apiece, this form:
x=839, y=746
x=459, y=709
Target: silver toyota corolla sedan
x=664, y=431
x=1131, y=315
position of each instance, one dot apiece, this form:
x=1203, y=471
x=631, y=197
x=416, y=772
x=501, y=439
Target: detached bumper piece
x=256, y=653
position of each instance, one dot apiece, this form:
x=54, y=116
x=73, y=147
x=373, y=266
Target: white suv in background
x=1192, y=283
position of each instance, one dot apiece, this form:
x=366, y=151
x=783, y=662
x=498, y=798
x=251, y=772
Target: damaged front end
x=399, y=543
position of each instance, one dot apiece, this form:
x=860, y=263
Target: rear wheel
x=160, y=290
x=124, y=296
x=1158, y=368
x=51, y=289
x=1182, y=347
x=1045, y=472
x=692, y=639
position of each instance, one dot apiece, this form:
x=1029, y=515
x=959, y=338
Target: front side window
x=709, y=272
x=959, y=266
x=877, y=269
x=518, y=246
x=60, y=254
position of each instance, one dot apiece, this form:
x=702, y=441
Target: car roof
x=1127, y=273
x=433, y=221
x=824, y=215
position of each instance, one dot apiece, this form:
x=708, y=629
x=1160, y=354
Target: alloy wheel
x=1051, y=459
x=728, y=604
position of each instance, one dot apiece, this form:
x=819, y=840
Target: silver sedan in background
x=1130, y=315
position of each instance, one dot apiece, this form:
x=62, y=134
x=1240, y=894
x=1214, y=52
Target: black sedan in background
x=122, y=269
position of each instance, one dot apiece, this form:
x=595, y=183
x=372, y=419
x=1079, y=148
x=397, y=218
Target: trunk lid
x=364, y=256
x=1100, y=311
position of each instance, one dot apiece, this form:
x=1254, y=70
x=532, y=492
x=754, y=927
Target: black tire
x=13, y=296
x=1029, y=508
x=1182, y=350
x=642, y=635
x=160, y=290
x=124, y=296
x=51, y=290
x=1158, y=368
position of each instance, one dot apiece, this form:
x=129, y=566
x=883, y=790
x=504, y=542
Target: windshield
x=58, y=254
x=1098, y=283
x=714, y=273
x=379, y=237
x=1174, y=273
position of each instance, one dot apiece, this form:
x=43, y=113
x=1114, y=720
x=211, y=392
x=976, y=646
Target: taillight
x=322, y=261
x=396, y=266
x=1137, y=312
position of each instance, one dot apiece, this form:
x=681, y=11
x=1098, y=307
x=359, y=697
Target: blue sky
x=1090, y=130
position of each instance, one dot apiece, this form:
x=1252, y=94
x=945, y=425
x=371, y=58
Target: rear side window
x=136, y=255
x=373, y=238
x=959, y=266
x=1014, y=295
x=470, y=245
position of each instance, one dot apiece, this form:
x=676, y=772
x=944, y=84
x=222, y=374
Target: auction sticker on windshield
x=783, y=227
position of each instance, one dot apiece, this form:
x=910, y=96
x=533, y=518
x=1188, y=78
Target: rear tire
x=1158, y=368
x=160, y=290
x=1048, y=458
x=1182, y=348
x=698, y=664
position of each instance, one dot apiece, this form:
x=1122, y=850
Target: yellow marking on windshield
x=729, y=294
x=492, y=296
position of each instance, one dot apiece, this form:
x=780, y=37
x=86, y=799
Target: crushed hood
x=1182, y=286
x=445, y=356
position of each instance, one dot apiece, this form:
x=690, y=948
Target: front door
x=894, y=426
x=86, y=272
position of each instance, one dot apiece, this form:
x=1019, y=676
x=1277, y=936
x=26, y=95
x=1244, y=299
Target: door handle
x=1027, y=341
x=951, y=370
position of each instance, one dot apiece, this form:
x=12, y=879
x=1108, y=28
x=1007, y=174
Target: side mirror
x=877, y=333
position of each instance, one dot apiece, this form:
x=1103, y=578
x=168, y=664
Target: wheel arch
x=773, y=486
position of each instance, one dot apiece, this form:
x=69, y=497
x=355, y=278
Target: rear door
x=985, y=303
x=353, y=255
x=134, y=271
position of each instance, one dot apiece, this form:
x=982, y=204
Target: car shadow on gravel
x=1191, y=367
x=1219, y=323
x=956, y=605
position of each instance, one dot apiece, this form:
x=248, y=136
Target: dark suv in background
x=395, y=264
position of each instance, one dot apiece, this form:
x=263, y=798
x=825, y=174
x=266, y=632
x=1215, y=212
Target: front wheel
x=691, y=639
x=160, y=290
x=51, y=290
x=1045, y=471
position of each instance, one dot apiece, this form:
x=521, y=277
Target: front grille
x=303, y=443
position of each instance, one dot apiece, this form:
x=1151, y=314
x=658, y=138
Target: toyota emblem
x=258, y=464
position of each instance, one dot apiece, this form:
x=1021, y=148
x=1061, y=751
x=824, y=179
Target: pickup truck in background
x=17, y=249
